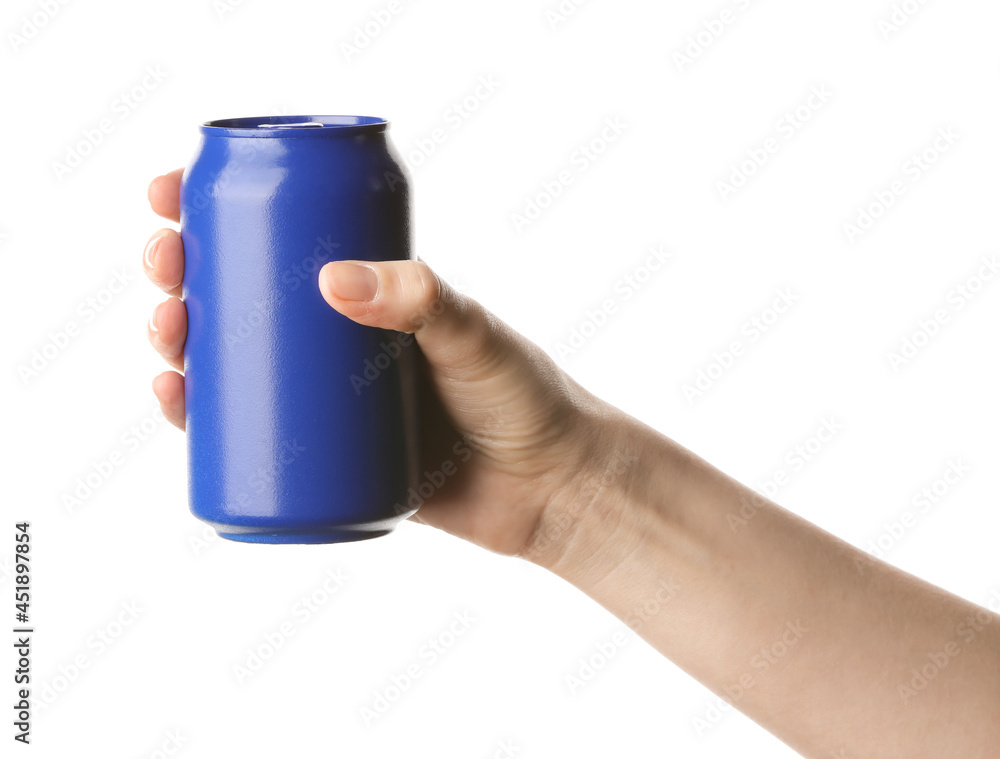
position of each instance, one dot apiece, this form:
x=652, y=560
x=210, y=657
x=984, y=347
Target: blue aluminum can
x=301, y=424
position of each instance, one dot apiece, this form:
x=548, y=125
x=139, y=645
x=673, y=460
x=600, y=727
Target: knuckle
x=428, y=284
x=428, y=295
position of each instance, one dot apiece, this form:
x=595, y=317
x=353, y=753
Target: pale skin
x=816, y=641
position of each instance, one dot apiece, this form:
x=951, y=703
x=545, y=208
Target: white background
x=202, y=605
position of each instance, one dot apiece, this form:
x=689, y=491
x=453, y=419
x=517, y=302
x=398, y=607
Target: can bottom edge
x=313, y=536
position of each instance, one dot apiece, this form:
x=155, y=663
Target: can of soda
x=301, y=424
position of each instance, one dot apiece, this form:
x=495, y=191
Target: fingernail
x=149, y=254
x=353, y=281
x=152, y=319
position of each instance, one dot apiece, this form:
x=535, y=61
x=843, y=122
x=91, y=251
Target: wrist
x=600, y=514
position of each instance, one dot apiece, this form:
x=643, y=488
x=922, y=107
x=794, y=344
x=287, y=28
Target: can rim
x=297, y=126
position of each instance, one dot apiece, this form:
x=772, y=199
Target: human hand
x=516, y=427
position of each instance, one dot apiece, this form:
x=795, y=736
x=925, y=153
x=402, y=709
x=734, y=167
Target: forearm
x=805, y=634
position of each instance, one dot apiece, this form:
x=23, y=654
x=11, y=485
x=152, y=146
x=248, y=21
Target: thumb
x=495, y=384
x=453, y=330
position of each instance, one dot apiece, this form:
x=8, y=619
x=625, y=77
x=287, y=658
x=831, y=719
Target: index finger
x=165, y=195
